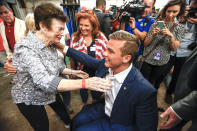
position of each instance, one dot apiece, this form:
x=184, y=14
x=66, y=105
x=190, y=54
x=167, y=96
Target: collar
x=9, y=24
x=120, y=77
x=39, y=43
x=143, y=19
x=147, y=16
x=98, y=9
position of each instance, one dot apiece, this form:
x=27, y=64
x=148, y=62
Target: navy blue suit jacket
x=136, y=102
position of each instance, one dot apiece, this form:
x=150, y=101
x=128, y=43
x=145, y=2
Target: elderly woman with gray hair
x=37, y=79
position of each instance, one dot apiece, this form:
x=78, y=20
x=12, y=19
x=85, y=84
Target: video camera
x=134, y=9
x=192, y=13
x=113, y=14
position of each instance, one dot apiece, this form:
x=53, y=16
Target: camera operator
x=104, y=19
x=141, y=26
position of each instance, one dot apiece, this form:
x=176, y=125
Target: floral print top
x=37, y=74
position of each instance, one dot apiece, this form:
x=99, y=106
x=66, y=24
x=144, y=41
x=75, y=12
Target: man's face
x=103, y=7
x=113, y=57
x=6, y=14
x=148, y=9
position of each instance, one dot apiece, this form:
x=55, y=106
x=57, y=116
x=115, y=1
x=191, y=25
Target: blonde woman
x=29, y=23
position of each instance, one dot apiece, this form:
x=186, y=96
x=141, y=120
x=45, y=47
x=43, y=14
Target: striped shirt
x=100, y=45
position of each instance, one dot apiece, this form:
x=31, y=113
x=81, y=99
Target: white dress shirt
x=117, y=81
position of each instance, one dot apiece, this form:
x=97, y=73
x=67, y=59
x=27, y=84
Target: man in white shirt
x=132, y=103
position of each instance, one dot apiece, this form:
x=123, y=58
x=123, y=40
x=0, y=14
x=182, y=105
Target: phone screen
x=160, y=24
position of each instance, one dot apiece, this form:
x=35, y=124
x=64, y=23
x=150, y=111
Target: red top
x=1, y=41
x=9, y=32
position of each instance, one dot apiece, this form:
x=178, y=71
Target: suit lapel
x=194, y=53
x=124, y=89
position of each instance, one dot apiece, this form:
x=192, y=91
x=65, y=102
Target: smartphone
x=160, y=24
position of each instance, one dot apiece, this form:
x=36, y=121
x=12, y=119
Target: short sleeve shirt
x=163, y=49
x=142, y=26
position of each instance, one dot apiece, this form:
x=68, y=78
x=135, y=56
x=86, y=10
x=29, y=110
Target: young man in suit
x=131, y=105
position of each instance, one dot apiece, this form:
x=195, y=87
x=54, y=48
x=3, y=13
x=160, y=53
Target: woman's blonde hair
x=29, y=23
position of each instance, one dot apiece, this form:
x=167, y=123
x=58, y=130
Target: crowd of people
x=105, y=61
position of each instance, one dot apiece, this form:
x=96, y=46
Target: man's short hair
x=3, y=3
x=131, y=43
x=100, y=2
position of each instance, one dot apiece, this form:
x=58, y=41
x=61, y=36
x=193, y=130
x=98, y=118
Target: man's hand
x=192, y=20
x=10, y=68
x=132, y=22
x=172, y=119
x=59, y=46
x=79, y=73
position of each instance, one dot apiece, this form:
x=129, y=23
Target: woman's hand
x=98, y=84
x=166, y=31
x=156, y=31
x=79, y=73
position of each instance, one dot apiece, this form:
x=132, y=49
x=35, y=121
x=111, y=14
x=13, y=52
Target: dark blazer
x=136, y=102
x=186, y=91
x=104, y=21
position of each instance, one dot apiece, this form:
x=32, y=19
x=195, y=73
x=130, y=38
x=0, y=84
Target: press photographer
x=137, y=20
x=191, y=19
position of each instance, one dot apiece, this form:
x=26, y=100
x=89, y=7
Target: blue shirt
x=142, y=26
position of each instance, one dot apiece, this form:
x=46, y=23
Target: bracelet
x=83, y=84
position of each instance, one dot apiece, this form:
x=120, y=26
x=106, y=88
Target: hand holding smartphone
x=160, y=24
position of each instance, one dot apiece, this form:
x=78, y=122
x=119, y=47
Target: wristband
x=83, y=84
